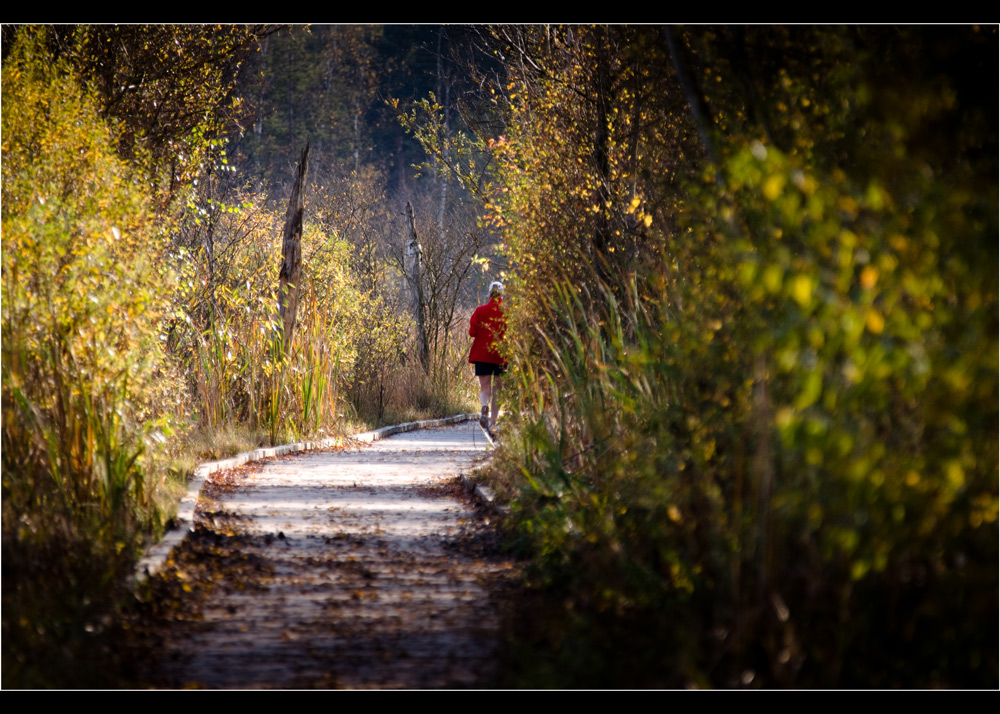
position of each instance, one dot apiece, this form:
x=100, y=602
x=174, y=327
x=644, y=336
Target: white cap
x=495, y=284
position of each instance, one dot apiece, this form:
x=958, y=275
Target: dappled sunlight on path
x=355, y=568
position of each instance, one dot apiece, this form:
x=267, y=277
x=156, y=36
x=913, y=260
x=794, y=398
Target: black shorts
x=484, y=369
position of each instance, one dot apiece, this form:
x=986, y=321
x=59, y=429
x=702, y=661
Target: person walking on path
x=486, y=328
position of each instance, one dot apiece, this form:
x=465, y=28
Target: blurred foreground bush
x=770, y=457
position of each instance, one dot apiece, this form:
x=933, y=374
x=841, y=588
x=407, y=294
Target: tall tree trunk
x=443, y=92
x=291, y=250
x=413, y=251
x=693, y=94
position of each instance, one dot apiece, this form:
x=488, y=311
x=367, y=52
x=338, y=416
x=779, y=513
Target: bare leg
x=485, y=394
x=485, y=390
x=497, y=383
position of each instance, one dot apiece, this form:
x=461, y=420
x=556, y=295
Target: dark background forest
x=751, y=418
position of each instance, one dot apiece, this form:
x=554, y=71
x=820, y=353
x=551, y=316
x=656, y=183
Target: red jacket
x=487, y=328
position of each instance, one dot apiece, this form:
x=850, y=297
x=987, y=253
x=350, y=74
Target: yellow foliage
x=87, y=286
x=773, y=186
x=802, y=288
x=874, y=322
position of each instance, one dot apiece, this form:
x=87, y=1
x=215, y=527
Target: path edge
x=157, y=554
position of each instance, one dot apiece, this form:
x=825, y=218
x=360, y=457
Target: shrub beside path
x=350, y=568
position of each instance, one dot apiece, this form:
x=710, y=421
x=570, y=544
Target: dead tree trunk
x=413, y=251
x=291, y=250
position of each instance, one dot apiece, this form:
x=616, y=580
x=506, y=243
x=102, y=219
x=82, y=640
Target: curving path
x=352, y=568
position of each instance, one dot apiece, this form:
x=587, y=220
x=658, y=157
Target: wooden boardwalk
x=357, y=568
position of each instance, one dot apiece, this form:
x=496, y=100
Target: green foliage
x=350, y=341
x=85, y=281
x=452, y=151
x=769, y=459
x=169, y=92
x=872, y=378
x=112, y=334
x=87, y=284
x=592, y=149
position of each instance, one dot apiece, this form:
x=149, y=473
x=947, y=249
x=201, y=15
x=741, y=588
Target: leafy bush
x=87, y=284
x=768, y=459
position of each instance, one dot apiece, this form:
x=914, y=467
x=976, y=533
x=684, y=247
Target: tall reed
x=687, y=534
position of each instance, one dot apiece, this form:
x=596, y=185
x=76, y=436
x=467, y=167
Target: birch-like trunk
x=413, y=256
